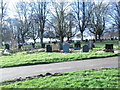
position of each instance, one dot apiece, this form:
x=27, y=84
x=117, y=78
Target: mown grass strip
x=102, y=78
x=22, y=58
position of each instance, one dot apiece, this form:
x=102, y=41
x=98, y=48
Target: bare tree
x=3, y=7
x=71, y=31
x=22, y=9
x=58, y=20
x=81, y=9
x=118, y=18
x=40, y=8
x=8, y=30
x=34, y=27
x=97, y=19
x=115, y=14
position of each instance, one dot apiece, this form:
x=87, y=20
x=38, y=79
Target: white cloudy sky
x=11, y=4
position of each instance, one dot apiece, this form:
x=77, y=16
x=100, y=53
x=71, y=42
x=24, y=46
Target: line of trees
x=39, y=19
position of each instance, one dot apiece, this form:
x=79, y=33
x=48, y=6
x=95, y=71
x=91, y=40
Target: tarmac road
x=32, y=70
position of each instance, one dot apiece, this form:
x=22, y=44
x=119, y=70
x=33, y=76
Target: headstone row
x=57, y=47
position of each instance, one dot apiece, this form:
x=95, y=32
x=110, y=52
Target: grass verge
x=22, y=58
x=101, y=78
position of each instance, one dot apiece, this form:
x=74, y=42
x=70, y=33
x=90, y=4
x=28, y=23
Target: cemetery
x=59, y=44
x=51, y=54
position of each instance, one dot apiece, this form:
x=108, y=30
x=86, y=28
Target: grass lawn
x=101, y=45
x=22, y=58
x=102, y=78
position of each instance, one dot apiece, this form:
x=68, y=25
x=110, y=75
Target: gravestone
x=77, y=45
x=61, y=46
x=66, y=47
x=20, y=46
x=91, y=45
x=7, y=46
x=86, y=40
x=48, y=48
x=85, y=48
x=109, y=48
x=55, y=47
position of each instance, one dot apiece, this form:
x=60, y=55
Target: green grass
x=22, y=58
x=102, y=78
x=101, y=45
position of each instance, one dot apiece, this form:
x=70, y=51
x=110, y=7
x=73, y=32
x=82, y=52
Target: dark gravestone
x=20, y=46
x=66, y=47
x=86, y=40
x=49, y=48
x=109, y=48
x=85, y=48
x=112, y=38
x=77, y=46
x=7, y=46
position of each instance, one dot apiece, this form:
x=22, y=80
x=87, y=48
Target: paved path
x=25, y=71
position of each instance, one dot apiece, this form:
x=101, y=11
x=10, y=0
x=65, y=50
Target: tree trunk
x=23, y=40
x=0, y=37
x=82, y=36
x=41, y=39
x=68, y=38
x=119, y=33
x=95, y=37
x=34, y=41
x=99, y=37
x=119, y=36
x=61, y=39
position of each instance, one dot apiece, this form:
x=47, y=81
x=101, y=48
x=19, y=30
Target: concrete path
x=25, y=71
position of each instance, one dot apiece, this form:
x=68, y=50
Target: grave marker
x=7, y=46
x=109, y=48
x=55, y=47
x=91, y=45
x=20, y=46
x=61, y=46
x=49, y=48
x=66, y=47
x=85, y=48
